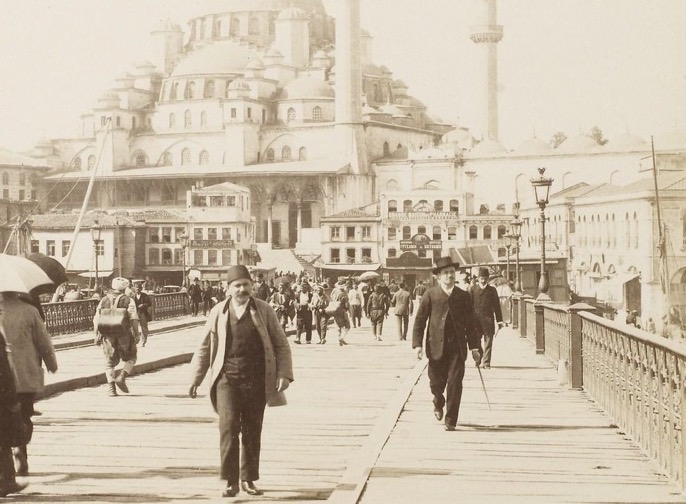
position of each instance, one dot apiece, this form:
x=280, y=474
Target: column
x=299, y=222
x=269, y=224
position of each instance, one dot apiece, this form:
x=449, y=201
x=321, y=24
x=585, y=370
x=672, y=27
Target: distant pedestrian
x=377, y=307
x=303, y=313
x=355, y=301
x=339, y=298
x=487, y=312
x=419, y=291
x=143, y=305
x=207, y=295
x=261, y=288
x=402, y=307
x=445, y=314
x=319, y=303
x=195, y=296
x=248, y=358
x=281, y=304
x=30, y=345
x=118, y=337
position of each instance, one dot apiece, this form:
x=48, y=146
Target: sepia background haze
x=563, y=65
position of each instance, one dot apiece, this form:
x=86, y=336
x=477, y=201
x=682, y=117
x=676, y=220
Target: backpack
x=113, y=321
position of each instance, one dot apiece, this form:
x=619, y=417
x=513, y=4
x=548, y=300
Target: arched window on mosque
x=392, y=205
x=22, y=179
x=204, y=157
x=377, y=93
x=77, y=163
x=386, y=149
x=140, y=159
x=454, y=205
x=635, y=231
x=502, y=230
x=254, y=26
x=91, y=162
x=186, y=156
x=400, y=146
x=203, y=118
x=407, y=232
x=317, y=114
x=209, y=89
x=190, y=90
x=269, y=155
x=235, y=26
x=5, y=178
x=217, y=29
x=302, y=154
x=187, y=119
x=174, y=92
x=487, y=232
x=473, y=232
x=172, y=120
x=290, y=116
x=286, y=153
x=438, y=205
x=168, y=159
x=228, y=87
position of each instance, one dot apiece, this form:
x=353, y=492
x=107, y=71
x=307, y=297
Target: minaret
x=349, y=129
x=487, y=34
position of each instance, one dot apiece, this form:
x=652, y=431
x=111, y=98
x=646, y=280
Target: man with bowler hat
x=486, y=305
x=247, y=354
x=451, y=328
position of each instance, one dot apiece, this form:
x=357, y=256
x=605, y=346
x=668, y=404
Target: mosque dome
x=533, y=146
x=293, y=13
x=674, y=139
x=255, y=64
x=273, y=52
x=225, y=57
x=627, y=141
x=488, y=147
x=581, y=143
x=368, y=110
x=109, y=100
x=315, y=6
x=391, y=109
x=239, y=85
x=307, y=87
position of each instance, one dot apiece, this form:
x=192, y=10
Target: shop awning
x=91, y=274
x=622, y=278
x=473, y=256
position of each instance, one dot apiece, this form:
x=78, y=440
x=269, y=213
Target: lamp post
x=508, y=245
x=542, y=190
x=182, y=238
x=516, y=226
x=96, y=230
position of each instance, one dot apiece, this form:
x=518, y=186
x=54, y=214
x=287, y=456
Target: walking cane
x=483, y=386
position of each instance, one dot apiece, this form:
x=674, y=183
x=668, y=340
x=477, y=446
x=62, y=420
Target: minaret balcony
x=486, y=33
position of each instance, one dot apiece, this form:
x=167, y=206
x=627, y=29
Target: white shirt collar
x=448, y=292
x=239, y=310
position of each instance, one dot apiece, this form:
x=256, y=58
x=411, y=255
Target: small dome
x=307, y=87
x=488, y=147
x=391, y=109
x=225, y=57
x=399, y=84
x=581, y=143
x=256, y=64
x=627, y=141
x=109, y=99
x=273, y=52
x=533, y=146
x=367, y=110
x=145, y=66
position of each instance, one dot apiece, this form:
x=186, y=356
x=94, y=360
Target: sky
x=563, y=65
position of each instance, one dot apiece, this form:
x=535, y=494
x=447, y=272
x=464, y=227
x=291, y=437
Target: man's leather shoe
x=230, y=490
x=438, y=413
x=449, y=427
x=250, y=488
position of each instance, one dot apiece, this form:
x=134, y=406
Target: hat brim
x=438, y=269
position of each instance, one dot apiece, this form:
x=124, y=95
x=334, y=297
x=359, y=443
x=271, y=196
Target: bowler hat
x=239, y=272
x=483, y=272
x=444, y=262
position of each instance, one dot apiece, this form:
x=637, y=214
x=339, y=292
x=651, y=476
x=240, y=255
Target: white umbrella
x=18, y=274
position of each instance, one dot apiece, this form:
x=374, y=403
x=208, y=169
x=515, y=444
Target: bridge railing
x=636, y=377
x=68, y=317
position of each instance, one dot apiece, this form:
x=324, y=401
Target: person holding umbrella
x=451, y=329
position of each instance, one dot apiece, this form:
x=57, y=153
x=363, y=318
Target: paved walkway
x=358, y=428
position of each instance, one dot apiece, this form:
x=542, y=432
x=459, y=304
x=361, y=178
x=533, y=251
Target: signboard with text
x=421, y=242
x=212, y=244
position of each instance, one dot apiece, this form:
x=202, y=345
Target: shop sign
x=414, y=216
x=212, y=244
x=421, y=241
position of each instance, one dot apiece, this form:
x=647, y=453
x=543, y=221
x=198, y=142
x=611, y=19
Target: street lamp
x=516, y=233
x=182, y=238
x=96, y=230
x=542, y=190
x=508, y=245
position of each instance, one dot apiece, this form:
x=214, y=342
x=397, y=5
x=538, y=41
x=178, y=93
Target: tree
x=597, y=134
x=557, y=139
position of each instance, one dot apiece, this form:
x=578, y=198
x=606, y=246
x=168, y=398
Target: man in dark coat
x=261, y=288
x=451, y=328
x=143, y=304
x=486, y=305
x=247, y=356
x=195, y=296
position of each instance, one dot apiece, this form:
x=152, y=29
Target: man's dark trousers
x=446, y=374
